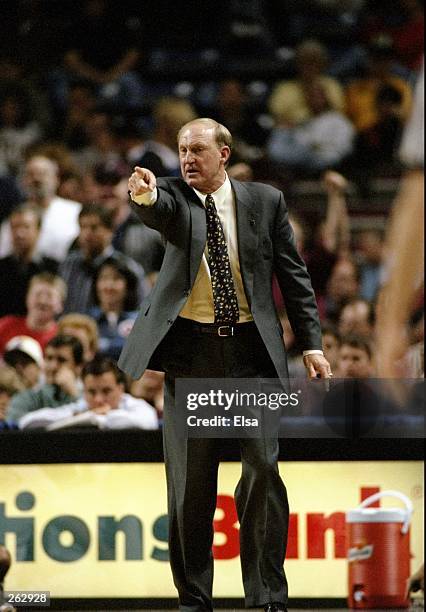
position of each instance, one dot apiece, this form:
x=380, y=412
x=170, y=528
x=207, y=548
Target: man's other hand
x=317, y=366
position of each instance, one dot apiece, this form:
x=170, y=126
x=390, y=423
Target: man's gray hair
x=223, y=136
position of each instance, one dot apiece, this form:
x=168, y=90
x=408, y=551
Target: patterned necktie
x=224, y=295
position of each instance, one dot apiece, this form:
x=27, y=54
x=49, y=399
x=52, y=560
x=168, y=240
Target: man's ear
x=225, y=154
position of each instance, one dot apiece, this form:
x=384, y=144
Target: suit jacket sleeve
x=158, y=215
x=295, y=283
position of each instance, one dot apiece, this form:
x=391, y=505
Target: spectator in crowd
x=59, y=226
x=83, y=328
x=379, y=142
x=72, y=124
x=369, y=245
x=9, y=386
x=332, y=236
x=361, y=93
x=401, y=21
x=355, y=358
x=169, y=115
x=17, y=269
x=70, y=177
x=150, y=387
x=357, y=317
x=414, y=358
x=131, y=137
x=241, y=171
x=288, y=103
x=25, y=356
x=10, y=195
x=111, y=64
x=104, y=404
x=63, y=363
x=94, y=246
x=44, y=301
x=107, y=184
x=342, y=286
x=115, y=289
x=233, y=108
x=331, y=346
x=322, y=141
x=101, y=145
x=18, y=130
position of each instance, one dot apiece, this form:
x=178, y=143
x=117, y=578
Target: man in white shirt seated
x=104, y=404
x=59, y=216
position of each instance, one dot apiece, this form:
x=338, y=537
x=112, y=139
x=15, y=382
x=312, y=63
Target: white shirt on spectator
x=131, y=413
x=59, y=228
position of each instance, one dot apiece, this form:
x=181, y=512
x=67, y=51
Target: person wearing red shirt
x=44, y=300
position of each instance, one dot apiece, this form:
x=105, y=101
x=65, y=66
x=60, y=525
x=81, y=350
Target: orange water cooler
x=379, y=553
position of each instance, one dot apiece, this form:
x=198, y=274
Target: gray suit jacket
x=266, y=246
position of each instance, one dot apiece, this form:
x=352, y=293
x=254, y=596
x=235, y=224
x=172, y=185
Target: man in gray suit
x=211, y=315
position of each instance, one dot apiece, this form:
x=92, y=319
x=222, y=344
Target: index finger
x=147, y=176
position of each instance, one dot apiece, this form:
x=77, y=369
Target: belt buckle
x=224, y=331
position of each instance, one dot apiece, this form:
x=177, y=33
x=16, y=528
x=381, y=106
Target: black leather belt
x=215, y=329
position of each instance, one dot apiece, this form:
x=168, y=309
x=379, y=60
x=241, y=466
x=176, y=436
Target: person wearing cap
x=106, y=183
x=25, y=356
x=63, y=363
x=94, y=246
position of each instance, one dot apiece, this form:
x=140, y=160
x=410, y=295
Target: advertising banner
x=100, y=530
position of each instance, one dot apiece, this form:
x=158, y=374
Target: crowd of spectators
x=312, y=90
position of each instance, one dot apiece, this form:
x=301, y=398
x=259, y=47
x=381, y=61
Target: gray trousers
x=192, y=467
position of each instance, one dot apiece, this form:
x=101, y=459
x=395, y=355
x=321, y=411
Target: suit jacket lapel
x=198, y=232
x=247, y=218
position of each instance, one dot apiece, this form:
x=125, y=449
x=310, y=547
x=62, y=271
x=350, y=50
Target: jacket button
x=170, y=321
x=187, y=292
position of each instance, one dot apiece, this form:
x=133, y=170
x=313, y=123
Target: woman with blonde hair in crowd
x=84, y=328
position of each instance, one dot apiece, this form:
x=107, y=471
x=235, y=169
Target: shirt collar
x=219, y=195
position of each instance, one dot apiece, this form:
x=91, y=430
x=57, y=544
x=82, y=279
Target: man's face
x=56, y=358
x=94, y=237
x=370, y=245
x=44, y=301
x=330, y=345
x=112, y=196
x=25, y=232
x=102, y=392
x=202, y=162
x=81, y=334
x=343, y=283
x=354, y=320
x=40, y=178
x=354, y=362
x=29, y=374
